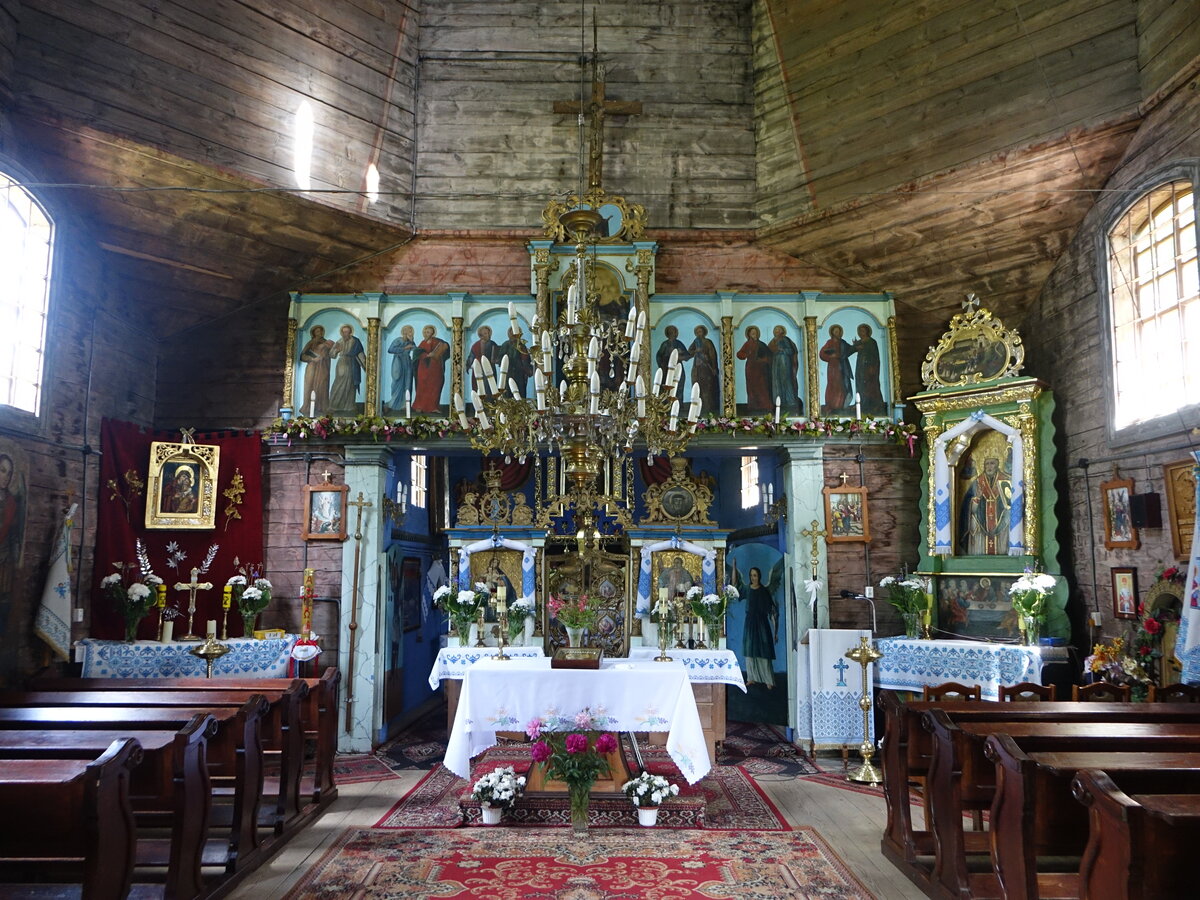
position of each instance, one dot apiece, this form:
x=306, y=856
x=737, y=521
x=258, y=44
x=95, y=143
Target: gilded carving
x=624, y=221
x=289, y=363
x=680, y=500
x=456, y=358
x=811, y=370
x=977, y=348
x=371, y=401
x=543, y=264
x=728, y=388
x=894, y=352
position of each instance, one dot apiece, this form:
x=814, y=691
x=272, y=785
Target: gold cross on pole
x=191, y=587
x=816, y=533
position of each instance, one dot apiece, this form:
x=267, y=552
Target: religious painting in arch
x=498, y=568
x=983, y=495
x=331, y=363
x=770, y=365
x=489, y=348
x=756, y=626
x=854, y=364
x=696, y=341
x=181, y=485
x=414, y=370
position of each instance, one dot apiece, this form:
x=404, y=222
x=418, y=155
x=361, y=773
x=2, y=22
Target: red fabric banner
x=121, y=521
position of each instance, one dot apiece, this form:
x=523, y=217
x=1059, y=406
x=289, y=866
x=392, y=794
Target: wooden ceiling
x=202, y=242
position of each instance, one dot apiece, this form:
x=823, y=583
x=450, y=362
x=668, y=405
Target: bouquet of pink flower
x=577, y=613
x=574, y=750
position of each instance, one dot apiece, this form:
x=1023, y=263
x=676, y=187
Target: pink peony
x=577, y=743
x=583, y=720
x=605, y=743
x=540, y=751
x=534, y=729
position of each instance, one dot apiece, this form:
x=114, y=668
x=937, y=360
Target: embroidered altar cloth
x=703, y=666
x=622, y=695
x=247, y=658
x=909, y=665
x=453, y=662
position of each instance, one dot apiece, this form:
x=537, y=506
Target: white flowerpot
x=491, y=814
x=529, y=631
x=647, y=816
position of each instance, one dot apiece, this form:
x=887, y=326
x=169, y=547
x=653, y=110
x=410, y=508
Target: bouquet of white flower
x=649, y=790
x=1029, y=593
x=501, y=787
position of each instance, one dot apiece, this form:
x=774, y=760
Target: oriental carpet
x=551, y=864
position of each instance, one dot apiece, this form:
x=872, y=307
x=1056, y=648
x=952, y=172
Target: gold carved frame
x=181, y=486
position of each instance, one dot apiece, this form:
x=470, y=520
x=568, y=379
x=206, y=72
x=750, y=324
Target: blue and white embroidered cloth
x=453, y=662
x=703, y=666
x=622, y=695
x=247, y=658
x=828, y=689
x=909, y=665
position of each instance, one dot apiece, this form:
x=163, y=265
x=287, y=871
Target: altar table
x=909, y=665
x=623, y=694
x=452, y=662
x=247, y=658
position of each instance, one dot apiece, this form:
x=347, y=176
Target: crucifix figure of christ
x=191, y=587
x=815, y=532
x=596, y=108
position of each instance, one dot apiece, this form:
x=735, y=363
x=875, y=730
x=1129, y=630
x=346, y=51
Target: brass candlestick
x=502, y=620
x=224, y=623
x=679, y=611
x=210, y=651
x=481, y=642
x=664, y=626
x=865, y=654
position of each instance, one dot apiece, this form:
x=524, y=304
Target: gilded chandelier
x=573, y=415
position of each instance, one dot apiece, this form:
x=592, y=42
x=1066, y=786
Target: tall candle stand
x=865, y=654
x=502, y=618
x=481, y=642
x=679, y=612
x=209, y=651
x=664, y=626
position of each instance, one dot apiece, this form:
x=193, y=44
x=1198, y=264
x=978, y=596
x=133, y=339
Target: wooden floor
x=850, y=822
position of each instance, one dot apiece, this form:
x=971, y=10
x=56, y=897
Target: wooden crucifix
x=596, y=109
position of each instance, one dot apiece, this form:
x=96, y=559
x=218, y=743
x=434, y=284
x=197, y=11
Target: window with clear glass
x=751, y=494
x=26, y=244
x=1155, y=305
x=418, y=481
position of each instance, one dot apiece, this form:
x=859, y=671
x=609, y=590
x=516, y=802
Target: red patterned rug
x=351, y=768
x=551, y=864
x=731, y=799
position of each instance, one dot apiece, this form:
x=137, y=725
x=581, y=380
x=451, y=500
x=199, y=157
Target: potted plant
x=496, y=792
x=647, y=793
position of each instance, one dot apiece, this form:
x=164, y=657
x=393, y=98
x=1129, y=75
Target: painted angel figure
x=761, y=629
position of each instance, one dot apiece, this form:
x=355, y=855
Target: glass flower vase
x=463, y=628
x=580, y=794
x=131, y=628
x=714, y=635
x=1031, y=631
x=574, y=636
x=912, y=625
x=248, y=620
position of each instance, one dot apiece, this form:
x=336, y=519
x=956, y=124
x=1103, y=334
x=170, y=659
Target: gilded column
x=289, y=368
x=894, y=352
x=543, y=264
x=810, y=366
x=932, y=429
x=371, y=405
x=1027, y=424
x=728, y=388
x=456, y=359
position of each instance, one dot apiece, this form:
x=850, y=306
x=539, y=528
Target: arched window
x=26, y=250
x=1154, y=311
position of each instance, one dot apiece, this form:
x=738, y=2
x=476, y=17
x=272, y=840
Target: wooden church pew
x=169, y=791
x=76, y=815
x=1140, y=846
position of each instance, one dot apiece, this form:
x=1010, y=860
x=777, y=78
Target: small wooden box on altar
x=577, y=658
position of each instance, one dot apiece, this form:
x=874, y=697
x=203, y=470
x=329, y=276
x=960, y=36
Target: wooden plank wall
x=220, y=82
x=1064, y=336
x=886, y=95
x=8, y=42
x=492, y=151
x=1168, y=41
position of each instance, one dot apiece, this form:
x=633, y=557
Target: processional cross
x=815, y=533
x=360, y=503
x=191, y=587
x=597, y=108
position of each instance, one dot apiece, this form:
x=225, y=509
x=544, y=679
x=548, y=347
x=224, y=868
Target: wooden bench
x=63, y=810
x=1034, y=817
x=1140, y=845
x=318, y=712
x=908, y=751
x=282, y=734
x=169, y=789
x=962, y=779
x=235, y=754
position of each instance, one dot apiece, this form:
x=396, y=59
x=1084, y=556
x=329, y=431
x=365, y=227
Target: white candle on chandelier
x=484, y=423
x=512, y=387
x=462, y=414
x=658, y=380
x=694, y=411
x=512, y=319
x=674, y=360
x=504, y=370
x=674, y=415
x=641, y=325
x=539, y=389
x=572, y=299
x=631, y=325
x=593, y=348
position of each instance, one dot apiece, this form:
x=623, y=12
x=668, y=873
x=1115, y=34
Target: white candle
x=512, y=387
x=408, y=404
x=778, y=406
x=312, y=405
x=484, y=422
x=593, y=348
x=659, y=375
x=674, y=415
x=512, y=318
x=212, y=628
x=504, y=370
x=168, y=631
x=857, y=406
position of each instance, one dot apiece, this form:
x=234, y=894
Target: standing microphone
x=851, y=595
